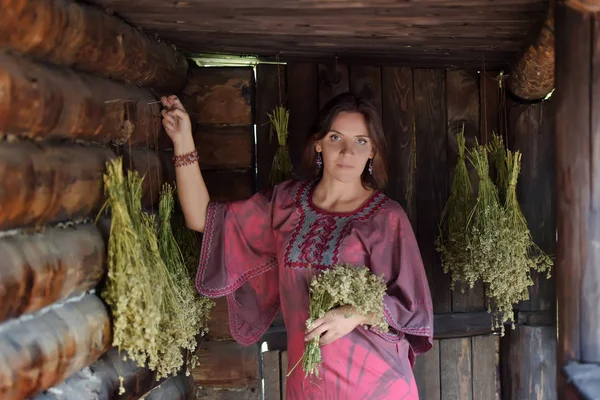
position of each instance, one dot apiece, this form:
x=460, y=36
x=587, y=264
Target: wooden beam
x=83, y=37
x=60, y=103
x=532, y=78
x=100, y=381
x=38, y=353
x=41, y=269
x=226, y=365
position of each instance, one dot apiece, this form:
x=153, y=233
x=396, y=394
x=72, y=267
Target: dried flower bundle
x=339, y=286
x=281, y=169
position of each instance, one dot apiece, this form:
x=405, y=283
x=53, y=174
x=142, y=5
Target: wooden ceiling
x=410, y=32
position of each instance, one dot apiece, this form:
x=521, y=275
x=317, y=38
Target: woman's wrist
x=184, y=145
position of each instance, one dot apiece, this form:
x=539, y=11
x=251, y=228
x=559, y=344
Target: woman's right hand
x=176, y=120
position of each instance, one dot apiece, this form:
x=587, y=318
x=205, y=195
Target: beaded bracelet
x=186, y=159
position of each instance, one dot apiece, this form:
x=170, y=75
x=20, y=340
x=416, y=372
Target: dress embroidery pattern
x=316, y=239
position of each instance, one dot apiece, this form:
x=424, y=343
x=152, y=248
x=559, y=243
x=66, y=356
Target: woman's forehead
x=350, y=124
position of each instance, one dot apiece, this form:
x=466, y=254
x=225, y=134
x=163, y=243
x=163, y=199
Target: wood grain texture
x=270, y=92
x=486, y=367
x=85, y=38
x=399, y=127
x=100, y=381
x=529, y=367
x=365, y=81
x=38, y=353
x=49, y=102
x=218, y=325
x=43, y=268
x=284, y=371
x=303, y=103
x=422, y=33
x=220, y=146
x=271, y=375
x=432, y=178
x=462, y=99
x=333, y=80
x=532, y=133
x=220, y=95
x=427, y=373
x=226, y=365
x=456, y=369
x=68, y=182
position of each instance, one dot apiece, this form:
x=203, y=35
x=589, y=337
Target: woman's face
x=346, y=148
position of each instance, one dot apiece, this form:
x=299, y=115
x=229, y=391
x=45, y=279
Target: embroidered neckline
x=319, y=210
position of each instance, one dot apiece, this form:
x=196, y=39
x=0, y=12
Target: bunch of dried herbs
x=281, y=169
x=186, y=313
x=131, y=290
x=342, y=285
x=452, y=239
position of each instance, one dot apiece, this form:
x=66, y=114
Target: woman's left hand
x=335, y=324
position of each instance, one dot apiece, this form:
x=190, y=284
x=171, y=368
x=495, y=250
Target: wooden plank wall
x=422, y=110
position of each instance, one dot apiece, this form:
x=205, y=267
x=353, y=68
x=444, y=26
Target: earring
x=319, y=161
x=370, y=166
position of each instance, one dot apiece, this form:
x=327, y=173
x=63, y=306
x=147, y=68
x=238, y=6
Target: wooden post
x=578, y=193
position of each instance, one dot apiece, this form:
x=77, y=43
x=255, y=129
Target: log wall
x=71, y=99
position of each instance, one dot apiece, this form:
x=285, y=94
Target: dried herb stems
x=281, y=169
x=490, y=242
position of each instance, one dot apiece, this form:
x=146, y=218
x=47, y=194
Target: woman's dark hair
x=348, y=102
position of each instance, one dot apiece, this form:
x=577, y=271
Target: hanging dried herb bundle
x=186, y=313
x=131, y=289
x=452, y=239
x=189, y=244
x=281, y=169
x=498, y=161
x=339, y=286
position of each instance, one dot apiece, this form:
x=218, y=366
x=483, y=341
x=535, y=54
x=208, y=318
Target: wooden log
x=100, y=381
x=226, y=365
x=44, y=183
x=179, y=387
x=79, y=36
x=150, y=167
x=41, y=269
x=48, y=102
x=40, y=352
x=533, y=75
x=219, y=95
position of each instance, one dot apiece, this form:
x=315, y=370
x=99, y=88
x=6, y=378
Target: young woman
x=257, y=253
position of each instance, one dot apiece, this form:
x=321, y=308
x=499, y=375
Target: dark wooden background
x=422, y=109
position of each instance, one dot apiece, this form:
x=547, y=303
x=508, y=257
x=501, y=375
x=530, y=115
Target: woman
x=257, y=253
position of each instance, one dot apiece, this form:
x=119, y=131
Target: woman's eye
x=362, y=141
x=335, y=137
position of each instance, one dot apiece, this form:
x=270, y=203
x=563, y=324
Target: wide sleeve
x=407, y=303
x=238, y=259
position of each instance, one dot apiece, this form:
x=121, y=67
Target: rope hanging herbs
x=281, y=168
x=342, y=285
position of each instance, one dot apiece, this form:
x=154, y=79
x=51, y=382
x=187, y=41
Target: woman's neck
x=336, y=196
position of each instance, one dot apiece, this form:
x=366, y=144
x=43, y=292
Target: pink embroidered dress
x=256, y=252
